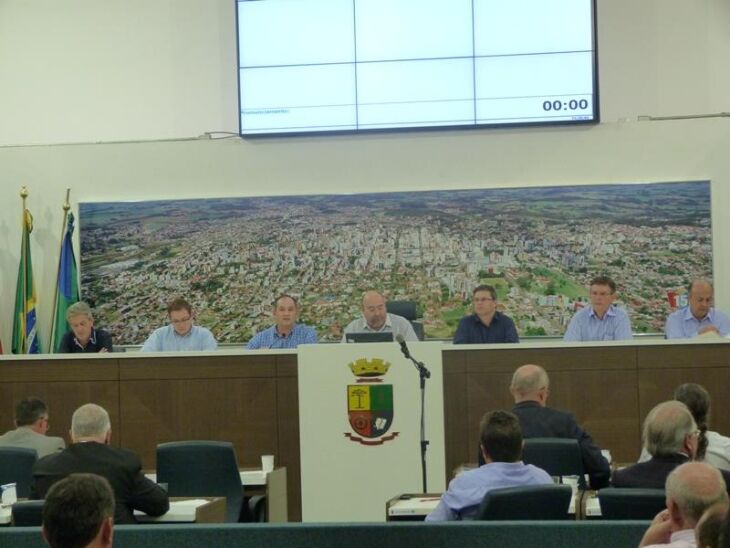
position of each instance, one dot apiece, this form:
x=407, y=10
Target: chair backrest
x=16, y=466
x=407, y=309
x=557, y=456
x=630, y=503
x=201, y=468
x=27, y=513
x=526, y=502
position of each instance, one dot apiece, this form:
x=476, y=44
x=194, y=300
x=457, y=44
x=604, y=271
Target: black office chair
x=407, y=309
x=557, y=456
x=199, y=469
x=532, y=502
x=630, y=503
x=27, y=513
x=16, y=466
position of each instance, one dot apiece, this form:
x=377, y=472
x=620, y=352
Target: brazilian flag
x=25, y=334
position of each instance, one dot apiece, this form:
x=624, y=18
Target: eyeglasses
x=695, y=433
x=182, y=320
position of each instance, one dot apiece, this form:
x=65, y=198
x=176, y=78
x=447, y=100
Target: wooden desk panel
x=252, y=399
x=597, y=384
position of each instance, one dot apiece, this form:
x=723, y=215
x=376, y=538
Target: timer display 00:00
x=573, y=104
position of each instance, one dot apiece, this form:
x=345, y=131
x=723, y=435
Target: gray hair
x=666, y=427
x=530, y=382
x=78, y=309
x=90, y=421
x=695, y=487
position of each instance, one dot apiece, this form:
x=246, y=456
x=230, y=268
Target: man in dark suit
x=530, y=388
x=671, y=436
x=90, y=452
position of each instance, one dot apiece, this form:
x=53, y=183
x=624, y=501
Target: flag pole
x=24, y=259
x=66, y=208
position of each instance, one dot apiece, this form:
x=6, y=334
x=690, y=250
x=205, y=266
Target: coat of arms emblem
x=370, y=403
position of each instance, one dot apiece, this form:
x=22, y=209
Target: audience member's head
x=669, y=429
x=697, y=400
x=691, y=489
x=33, y=413
x=530, y=383
x=90, y=422
x=79, y=512
x=501, y=437
x=709, y=527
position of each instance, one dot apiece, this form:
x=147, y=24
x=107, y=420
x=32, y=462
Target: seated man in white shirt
x=376, y=319
x=691, y=489
x=501, y=445
x=181, y=334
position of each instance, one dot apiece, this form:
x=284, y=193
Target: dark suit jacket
x=653, y=473
x=544, y=422
x=123, y=469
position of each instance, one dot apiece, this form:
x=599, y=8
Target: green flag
x=67, y=288
x=25, y=335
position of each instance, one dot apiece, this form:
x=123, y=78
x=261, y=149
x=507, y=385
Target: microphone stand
x=423, y=374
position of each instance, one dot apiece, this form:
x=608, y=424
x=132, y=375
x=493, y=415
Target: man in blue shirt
x=181, y=334
x=501, y=445
x=286, y=332
x=602, y=321
x=699, y=317
x=486, y=325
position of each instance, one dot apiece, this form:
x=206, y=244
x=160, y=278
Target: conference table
x=250, y=398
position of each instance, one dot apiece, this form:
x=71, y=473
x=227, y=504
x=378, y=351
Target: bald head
x=530, y=383
x=669, y=429
x=694, y=487
x=90, y=422
x=373, y=309
x=700, y=298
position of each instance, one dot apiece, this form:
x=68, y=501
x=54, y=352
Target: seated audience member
x=671, y=436
x=79, y=511
x=84, y=337
x=708, y=531
x=501, y=445
x=31, y=421
x=712, y=447
x=602, y=320
x=486, y=325
x=375, y=319
x=286, y=332
x=691, y=488
x=698, y=317
x=530, y=388
x=91, y=452
x=181, y=334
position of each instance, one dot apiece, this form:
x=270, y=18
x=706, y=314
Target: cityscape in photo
x=539, y=246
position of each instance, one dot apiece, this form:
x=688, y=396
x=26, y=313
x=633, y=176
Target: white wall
x=83, y=71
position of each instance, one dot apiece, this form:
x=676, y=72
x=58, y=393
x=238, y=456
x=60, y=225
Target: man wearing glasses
x=31, y=419
x=670, y=436
x=602, y=321
x=486, y=325
x=181, y=334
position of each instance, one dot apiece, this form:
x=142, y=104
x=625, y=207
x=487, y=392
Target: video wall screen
x=353, y=65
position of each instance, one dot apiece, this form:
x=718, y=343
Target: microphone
x=400, y=339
